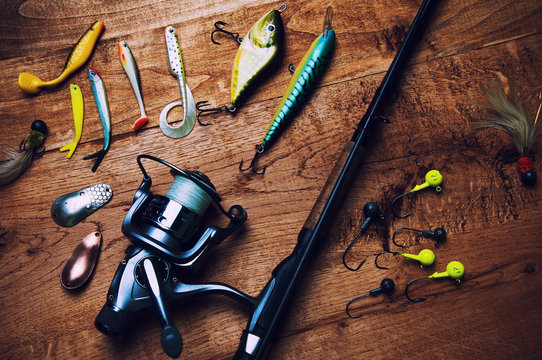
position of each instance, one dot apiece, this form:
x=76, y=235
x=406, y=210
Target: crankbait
x=31, y=84
x=511, y=116
x=189, y=108
x=305, y=77
x=100, y=97
x=79, y=267
x=256, y=55
x=77, y=107
x=128, y=63
x=19, y=161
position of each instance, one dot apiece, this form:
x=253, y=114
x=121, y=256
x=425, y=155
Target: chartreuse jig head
x=386, y=287
x=433, y=178
x=425, y=257
x=438, y=235
x=454, y=270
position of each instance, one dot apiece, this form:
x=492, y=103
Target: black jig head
x=386, y=287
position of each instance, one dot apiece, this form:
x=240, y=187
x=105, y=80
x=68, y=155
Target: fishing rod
x=272, y=300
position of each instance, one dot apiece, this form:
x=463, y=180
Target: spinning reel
x=169, y=237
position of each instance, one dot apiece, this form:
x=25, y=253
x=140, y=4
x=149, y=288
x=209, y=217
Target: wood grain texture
x=492, y=220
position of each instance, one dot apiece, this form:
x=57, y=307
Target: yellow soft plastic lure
x=31, y=84
x=77, y=106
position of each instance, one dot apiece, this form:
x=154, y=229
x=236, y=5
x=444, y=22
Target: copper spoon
x=79, y=267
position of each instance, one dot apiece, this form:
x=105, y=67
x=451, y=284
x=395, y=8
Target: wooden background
x=493, y=221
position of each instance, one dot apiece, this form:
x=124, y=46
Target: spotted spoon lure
x=256, y=55
x=306, y=75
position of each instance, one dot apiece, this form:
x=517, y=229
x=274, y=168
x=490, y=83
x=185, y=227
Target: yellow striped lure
x=128, y=63
x=307, y=73
x=77, y=107
x=256, y=55
x=189, y=107
x=100, y=97
x=31, y=84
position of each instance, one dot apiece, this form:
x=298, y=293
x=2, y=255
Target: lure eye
x=271, y=27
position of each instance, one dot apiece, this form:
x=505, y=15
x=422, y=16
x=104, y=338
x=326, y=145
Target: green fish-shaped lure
x=306, y=75
x=257, y=53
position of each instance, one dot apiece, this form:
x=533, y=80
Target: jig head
x=371, y=212
x=31, y=84
x=433, y=178
x=438, y=235
x=425, y=257
x=386, y=287
x=454, y=270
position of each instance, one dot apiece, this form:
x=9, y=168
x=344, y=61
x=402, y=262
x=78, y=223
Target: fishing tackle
x=189, y=108
x=100, y=97
x=130, y=67
x=386, y=287
x=509, y=114
x=433, y=178
x=425, y=257
x=454, y=270
x=306, y=74
x=438, y=235
x=68, y=210
x=257, y=54
x=31, y=84
x=371, y=212
x=78, y=111
x=18, y=161
x=79, y=267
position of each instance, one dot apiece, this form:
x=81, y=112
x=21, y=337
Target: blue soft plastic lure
x=100, y=97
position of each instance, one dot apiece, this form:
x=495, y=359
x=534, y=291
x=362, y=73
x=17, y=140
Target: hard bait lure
x=68, y=210
x=511, y=116
x=128, y=63
x=100, y=97
x=79, y=267
x=77, y=106
x=31, y=84
x=189, y=108
x=307, y=73
x=256, y=55
x=19, y=161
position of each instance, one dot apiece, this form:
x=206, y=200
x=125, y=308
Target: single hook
x=218, y=28
x=454, y=270
x=259, y=150
x=386, y=287
x=371, y=212
x=425, y=257
x=433, y=178
x=201, y=107
x=438, y=235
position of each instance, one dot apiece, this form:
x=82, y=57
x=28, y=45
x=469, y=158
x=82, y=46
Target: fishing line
x=187, y=193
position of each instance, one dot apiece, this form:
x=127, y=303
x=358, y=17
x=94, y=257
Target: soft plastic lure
x=307, y=73
x=189, y=107
x=256, y=54
x=100, y=97
x=128, y=63
x=31, y=84
x=77, y=107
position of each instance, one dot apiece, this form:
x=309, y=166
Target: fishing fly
x=256, y=56
x=100, y=97
x=510, y=115
x=187, y=100
x=306, y=74
x=78, y=111
x=31, y=84
x=128, y=63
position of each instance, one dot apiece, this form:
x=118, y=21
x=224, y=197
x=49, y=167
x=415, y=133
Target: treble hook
x=454, y=270
x=371, y=212
x=439, y=235
x=386, y=286
x=433, y=178
x=259, y=150
x=201, y=107
x=425, y=257
x=220, y=29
